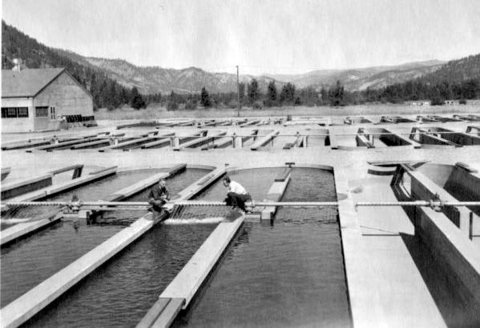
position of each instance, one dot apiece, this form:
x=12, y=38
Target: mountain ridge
x=154, y=79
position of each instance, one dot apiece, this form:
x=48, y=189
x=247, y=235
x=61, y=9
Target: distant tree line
x=335, y=95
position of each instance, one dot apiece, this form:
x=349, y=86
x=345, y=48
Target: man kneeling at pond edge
x=237, y=195
x=158, y=197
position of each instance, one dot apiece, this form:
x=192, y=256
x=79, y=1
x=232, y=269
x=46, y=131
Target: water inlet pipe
x=431, y=203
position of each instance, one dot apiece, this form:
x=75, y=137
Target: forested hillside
x=105, y=91
x=457, y=79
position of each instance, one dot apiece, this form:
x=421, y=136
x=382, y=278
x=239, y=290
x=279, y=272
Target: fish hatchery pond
x=276, y=270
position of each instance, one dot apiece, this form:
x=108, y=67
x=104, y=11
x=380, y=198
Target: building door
x=53, y=116
x=41, y=118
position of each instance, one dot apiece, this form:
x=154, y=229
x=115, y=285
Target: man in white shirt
x=237, y=195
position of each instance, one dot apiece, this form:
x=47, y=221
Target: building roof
x=28, y=82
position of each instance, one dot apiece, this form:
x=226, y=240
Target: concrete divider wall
x=191, y=277
x=464, y=185
x=264, y=140
x=438, y=173
x=456, y=254
x=197, y=187
x=395, y=140
x=26, y=186
x=434, y=140
x=200, y=141
x=80, y=181
x=24, y=229
x=275, y=193
x=424, y=189
x=459, y=138
x=362, y=141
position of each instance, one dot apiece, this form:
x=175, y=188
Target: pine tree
x=205, y=98
x=241, y=91
x=271, y=97
x=336, y=95
x=253, y=92
x=136, y=100
x=287, y=95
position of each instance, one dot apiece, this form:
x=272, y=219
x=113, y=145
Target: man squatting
x=237, y=195
x=158, y=197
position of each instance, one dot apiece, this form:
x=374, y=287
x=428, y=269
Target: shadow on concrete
x=455, y=304
x=455, y=307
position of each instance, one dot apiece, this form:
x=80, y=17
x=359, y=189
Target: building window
x=52, y=113
x=41, y=111
x=13, y=112
x=23, y=112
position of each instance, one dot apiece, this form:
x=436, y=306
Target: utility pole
x=238, y=93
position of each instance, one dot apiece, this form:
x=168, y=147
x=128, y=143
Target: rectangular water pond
x=289, y=274
x=121, y=292
x=30, y=261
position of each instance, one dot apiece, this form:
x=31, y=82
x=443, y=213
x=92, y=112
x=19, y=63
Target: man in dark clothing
x=159, y=196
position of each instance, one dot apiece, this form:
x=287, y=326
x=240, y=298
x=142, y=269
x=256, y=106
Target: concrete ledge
x=162, y=314
x=466, y=167
x=264, y=140
x=80, y=181
x=457, y=253
x=158, y=143
x=362, y=141
x=5, y=172
x=381, y=170
x=23, y=229
x=274, y=194
x=65, y=185
x=191, y=277
x=197, y=187
x=283, y=175
x=25, y=186
x=248, y=123
x=92, y=143
x=429, y=139
x=24, y=145
x=199, y=141
x=407, y=142
x=129, y=143
x=364, y=300
x=27, y=305
x=221, y=143
x=67, y=168
x=425, y=189
x=66, y=144
x=143, y=184
x=153, y=313
x=333, y=139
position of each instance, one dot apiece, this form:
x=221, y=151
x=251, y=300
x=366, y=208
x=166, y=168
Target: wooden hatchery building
x=43, y=100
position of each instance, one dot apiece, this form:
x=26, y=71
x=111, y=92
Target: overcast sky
x=274, y=36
